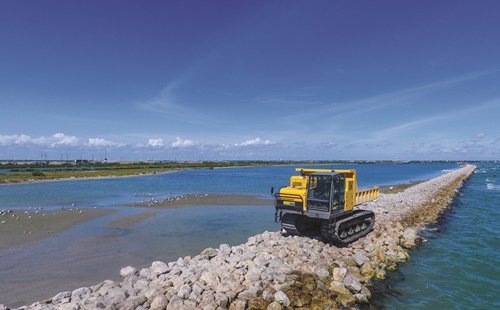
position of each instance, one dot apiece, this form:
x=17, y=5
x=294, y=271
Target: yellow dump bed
x=366, y=195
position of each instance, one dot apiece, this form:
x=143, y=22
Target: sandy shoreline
x=22, y=226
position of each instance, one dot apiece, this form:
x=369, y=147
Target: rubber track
x=331, y=230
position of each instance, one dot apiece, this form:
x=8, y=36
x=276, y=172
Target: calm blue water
x=253, y=180
x=459, y=268
x=91, y=252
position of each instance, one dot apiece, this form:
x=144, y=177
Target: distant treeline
x=93, y=165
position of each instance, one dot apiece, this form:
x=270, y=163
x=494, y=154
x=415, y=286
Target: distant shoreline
x=161, y=170
x=92, y=178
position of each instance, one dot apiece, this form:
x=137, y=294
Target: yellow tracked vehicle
x=323, y=200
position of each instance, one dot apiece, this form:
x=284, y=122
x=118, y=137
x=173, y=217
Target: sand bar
x=191, y=200
x=21, y=226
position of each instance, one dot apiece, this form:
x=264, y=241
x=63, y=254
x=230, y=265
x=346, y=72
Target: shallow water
x=459, y=267
x=91, y=252
x=76, y=258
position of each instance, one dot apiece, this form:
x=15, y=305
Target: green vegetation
x=33, y=171
x=38, y=174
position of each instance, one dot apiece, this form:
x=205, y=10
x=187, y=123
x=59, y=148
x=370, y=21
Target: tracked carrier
x=322, y=201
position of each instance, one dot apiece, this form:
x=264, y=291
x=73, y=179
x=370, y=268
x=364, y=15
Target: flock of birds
x=8, y=214
x=170, y=198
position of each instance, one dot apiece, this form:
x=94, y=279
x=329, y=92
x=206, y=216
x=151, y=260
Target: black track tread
x=329, y=229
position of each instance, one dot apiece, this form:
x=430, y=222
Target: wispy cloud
x=404, y=127
x=169, y=104
x=166, y=102
x=327, y=145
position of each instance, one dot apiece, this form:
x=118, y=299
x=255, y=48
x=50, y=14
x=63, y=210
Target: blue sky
x=217, y=80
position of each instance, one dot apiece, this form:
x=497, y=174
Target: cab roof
x=330, y=174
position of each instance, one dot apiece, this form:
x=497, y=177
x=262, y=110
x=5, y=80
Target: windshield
x=319, y=188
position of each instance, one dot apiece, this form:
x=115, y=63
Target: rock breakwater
x=271, y=271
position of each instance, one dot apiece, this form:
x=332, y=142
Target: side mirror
x=272, y=190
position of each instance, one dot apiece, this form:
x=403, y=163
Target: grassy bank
x=36, y=171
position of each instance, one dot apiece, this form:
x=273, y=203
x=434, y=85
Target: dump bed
x=366, y=195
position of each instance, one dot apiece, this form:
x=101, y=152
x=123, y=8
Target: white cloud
x=14, y=139
x=180, y=143
x=100, y=142
x=57, y=139
x=155, y=143
x=255, y=141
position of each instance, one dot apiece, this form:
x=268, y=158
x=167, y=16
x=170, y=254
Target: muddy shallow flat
x=22, y=226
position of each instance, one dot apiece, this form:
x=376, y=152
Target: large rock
x=221, y=300
x=80, y=293
x=134, y=302
x=238, y=305
x=347, y=300
x=282, y=298
x=408, y=238
x=359, y=259
x=184, y=291
x=322, y=273
x=160, y=302
x=344, y=296
x=116, y=296
x=225, y=249
x=128, y=271
x=367, y=271
x=339, y=273
x=176, y=303
x=210, y=252
x=210, y=279
x=274, y=306
x=159, y=268
x=62, y=297
x=352, y=283
x=249, y=293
